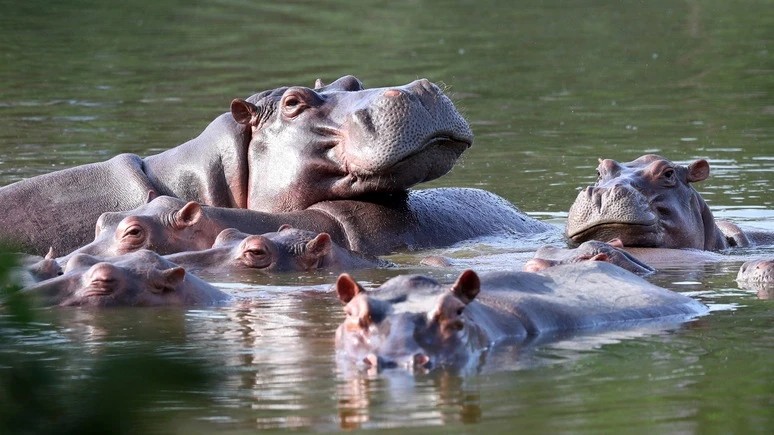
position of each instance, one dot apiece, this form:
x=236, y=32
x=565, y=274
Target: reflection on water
x=548, y=87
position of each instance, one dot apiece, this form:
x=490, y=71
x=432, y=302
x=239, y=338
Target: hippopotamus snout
x=597, y=207
x=398, y=347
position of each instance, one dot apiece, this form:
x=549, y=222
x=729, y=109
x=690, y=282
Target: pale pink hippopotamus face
x=342, y=141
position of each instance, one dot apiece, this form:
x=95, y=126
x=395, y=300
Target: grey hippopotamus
x=286, y=250
x=141, y=278
x=419, y=219
x=339, y=152
x=413, y=321
x=649, y=202
x=592, y=250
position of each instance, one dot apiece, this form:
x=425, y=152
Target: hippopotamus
x=417, y=220
x=757, y=271
x=413, y=321
x=592, y=250
x=339, y=151
x=649, y=202
x=286, y=250
x=141, y=278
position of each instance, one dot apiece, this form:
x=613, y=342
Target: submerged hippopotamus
x=141, y=278
x=286, y=250
x=413, y=321
x=757, y=271
x=649, y=202
x=339, y=153
x=592, y=250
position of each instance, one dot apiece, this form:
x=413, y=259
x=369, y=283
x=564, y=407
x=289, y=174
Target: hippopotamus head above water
x=414, y=322
x=591, y=250
x=341, y=141
x=285, y=250
x=141, y=278
x=648, y=202
x=280, y=150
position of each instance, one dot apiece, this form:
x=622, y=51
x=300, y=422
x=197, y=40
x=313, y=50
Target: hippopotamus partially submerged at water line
x=756, y=271
x=413, y=321
x=339, y=151
x=649, y=202
x=423, y=219
x=592, y=250
x=286, y=250
x=141, y=278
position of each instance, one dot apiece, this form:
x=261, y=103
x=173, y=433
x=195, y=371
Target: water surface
x=548, y=87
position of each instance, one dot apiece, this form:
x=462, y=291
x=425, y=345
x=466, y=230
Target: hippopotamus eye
x=297, y=99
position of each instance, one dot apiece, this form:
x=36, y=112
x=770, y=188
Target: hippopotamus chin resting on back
x=412, y=321
x=346, y=152
x=649, y=202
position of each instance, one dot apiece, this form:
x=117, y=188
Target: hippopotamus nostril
x=392, y=93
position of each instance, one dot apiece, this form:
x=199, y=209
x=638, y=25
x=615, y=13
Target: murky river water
x=548, y=87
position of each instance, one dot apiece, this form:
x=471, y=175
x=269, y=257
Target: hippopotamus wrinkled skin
x=141, y=278
x=417, y=220
x=592, y=250
x=286, y=250
x=649, y=202
x=413, y=321
x=280, y=150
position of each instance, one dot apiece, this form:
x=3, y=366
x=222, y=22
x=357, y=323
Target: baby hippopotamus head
x=142, y=278
x=411, y=321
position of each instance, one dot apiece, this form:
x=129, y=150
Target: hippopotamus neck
x=211, y=169
x=713, y=238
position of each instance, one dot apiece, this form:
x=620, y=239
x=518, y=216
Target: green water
x=548, y=86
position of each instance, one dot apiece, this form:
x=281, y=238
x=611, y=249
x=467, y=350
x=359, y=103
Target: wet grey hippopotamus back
x=413, y=321
x=141, y=278
x=286, y=250
x=592, y=250
x=280, y=150
x=649, y=202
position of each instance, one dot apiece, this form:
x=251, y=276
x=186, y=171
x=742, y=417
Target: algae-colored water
x=548, y=88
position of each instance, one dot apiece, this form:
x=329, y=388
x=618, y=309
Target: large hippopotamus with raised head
x=346, y=152
x=649, y=202
x=412, y=321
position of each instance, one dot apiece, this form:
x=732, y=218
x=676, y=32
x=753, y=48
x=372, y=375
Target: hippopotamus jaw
x=642, y=234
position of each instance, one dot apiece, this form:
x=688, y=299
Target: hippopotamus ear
x=172, y=277
x=320, y=245
x=284, y=227
x=318, y=84
x=151, y=196
x=188, y=215
x=698, y=171
x=244, y=112
x=347, y=288
x=467, y=286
